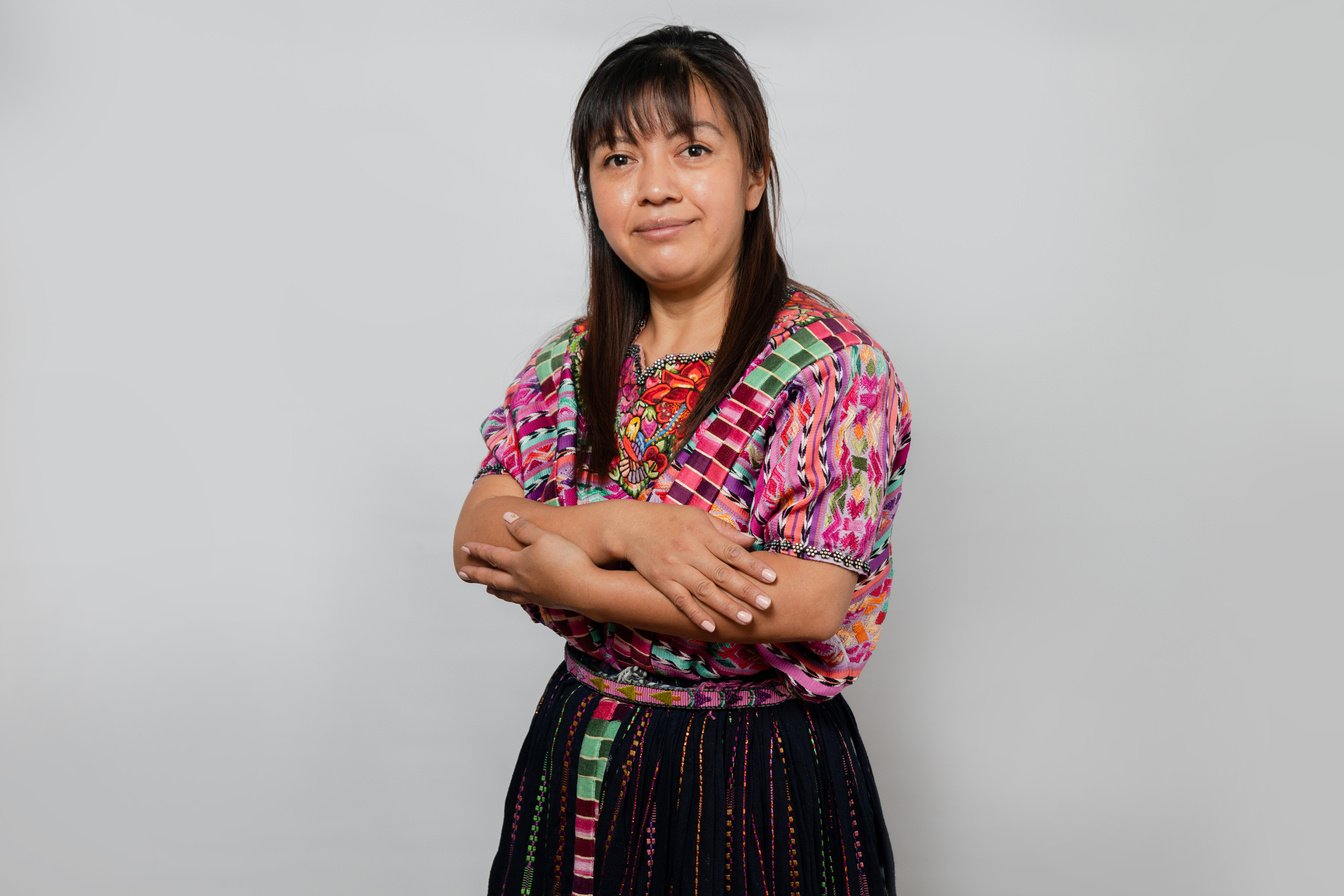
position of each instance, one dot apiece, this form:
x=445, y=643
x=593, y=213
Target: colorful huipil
x=807, y=453
x=663, y=765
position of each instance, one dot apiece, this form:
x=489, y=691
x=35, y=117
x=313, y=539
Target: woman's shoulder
x=826, y=351
x=812, y=324
x=565, y=335
x=551, y=354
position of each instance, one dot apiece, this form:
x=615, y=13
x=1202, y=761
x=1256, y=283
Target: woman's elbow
x=826, y=622
x=817, y=595
x=819, y=617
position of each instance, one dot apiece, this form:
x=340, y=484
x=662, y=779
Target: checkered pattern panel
x=720, y=442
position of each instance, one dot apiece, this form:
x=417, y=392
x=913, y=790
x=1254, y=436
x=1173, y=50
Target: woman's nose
x=658, y=181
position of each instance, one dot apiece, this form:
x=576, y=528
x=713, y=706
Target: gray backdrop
x=265, y=266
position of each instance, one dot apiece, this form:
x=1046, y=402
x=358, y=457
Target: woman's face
x=673, y=206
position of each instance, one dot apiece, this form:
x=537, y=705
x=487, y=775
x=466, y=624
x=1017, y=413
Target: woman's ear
x=756, y=185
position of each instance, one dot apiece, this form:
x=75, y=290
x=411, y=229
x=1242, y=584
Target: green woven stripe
x=778, y=369
x=552, y=356
x=590, y=767
x=594, y=752
x=591, y=762
x=590, y=774
x=588, y=787
x=599, y=730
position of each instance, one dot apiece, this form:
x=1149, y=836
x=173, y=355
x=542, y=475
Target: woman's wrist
x=606, y=525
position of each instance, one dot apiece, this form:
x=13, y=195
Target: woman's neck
x=684, y=324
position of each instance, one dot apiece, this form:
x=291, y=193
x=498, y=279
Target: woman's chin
x=667, y=279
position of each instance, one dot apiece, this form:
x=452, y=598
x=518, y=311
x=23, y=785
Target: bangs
x=642, y=94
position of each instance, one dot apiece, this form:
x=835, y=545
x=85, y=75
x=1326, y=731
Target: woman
x=718, y=561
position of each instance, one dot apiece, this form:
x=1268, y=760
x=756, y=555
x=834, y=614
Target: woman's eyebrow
x=690, y=129
x=617, y=138
x=620, y=137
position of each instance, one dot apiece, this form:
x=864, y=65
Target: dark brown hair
x=644, y=83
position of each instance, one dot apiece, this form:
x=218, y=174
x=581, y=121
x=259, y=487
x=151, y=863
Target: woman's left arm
x=808, y=600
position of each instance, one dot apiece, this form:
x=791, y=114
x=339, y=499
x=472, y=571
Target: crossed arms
x=689, y=568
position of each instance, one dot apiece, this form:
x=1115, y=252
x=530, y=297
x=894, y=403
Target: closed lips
x=661, y=224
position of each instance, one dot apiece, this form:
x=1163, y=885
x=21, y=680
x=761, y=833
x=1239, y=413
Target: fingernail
x=762, y=601
x=463, y=576
x=510, y=516
x=768, y=575
x=466, y=550
x=743, y=616
x=707, y=625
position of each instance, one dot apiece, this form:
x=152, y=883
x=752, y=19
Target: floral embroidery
x=654, y=403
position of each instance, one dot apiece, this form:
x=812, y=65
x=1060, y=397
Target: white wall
x=265, y=266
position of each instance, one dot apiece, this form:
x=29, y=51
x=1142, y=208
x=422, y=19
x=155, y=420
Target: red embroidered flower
x=665, y=411
x=655, y=390
x=681, y=384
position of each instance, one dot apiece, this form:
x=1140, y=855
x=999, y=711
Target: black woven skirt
x=634, y=786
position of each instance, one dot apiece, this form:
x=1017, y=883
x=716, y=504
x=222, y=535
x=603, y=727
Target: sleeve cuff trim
x=488, y=469
x=810, y=552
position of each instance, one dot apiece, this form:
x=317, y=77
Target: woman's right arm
x=697, y=561
x=482, y=519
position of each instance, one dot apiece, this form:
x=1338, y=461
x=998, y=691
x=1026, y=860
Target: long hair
x=644, y=83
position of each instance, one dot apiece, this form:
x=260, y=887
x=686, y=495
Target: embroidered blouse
x=807, y=453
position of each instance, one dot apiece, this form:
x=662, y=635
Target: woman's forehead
x=663, y=113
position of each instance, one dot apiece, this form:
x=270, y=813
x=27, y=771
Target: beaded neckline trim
x=643, y=373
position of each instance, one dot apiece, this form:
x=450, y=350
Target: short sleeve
x=831, y=483
x=519, y=435
x=827, y=464
x=522, y=432
x=503, y=427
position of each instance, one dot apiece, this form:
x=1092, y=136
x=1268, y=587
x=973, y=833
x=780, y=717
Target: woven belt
x=638, y=686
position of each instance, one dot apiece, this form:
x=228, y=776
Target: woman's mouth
x=661, y=228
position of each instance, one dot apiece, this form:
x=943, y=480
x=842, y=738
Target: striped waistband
x=637, y=686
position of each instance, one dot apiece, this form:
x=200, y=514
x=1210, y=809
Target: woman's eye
x=617, y=160
x=695, y=150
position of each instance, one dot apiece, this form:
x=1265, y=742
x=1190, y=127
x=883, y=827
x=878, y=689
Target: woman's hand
x=698, y=561
x=549, y=570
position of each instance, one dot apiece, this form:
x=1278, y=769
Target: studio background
x=266, y=266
